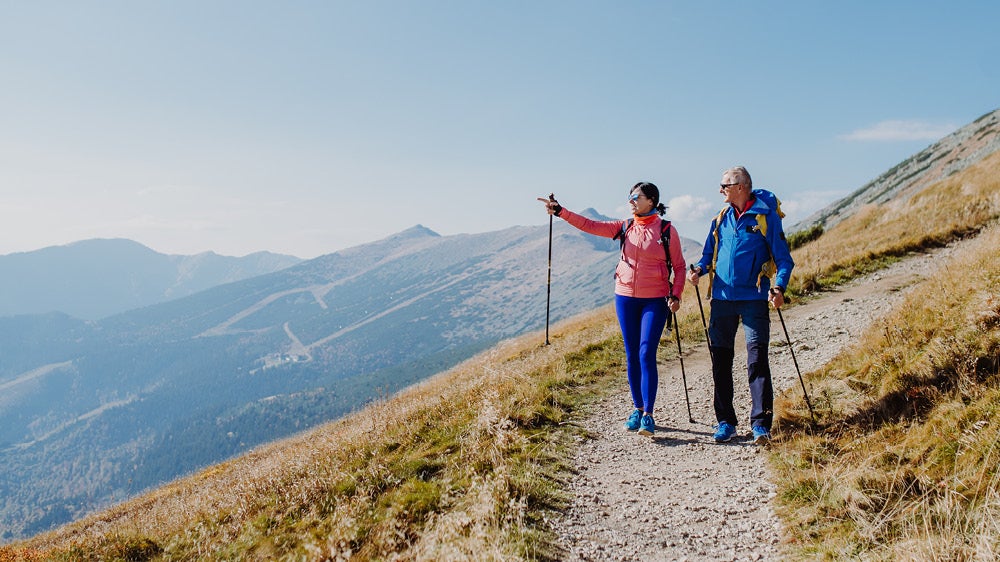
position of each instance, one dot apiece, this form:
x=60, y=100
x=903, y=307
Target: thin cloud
x=151, y=222
x=689, y=207
x=900, y=130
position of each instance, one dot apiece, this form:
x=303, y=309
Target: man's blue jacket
x=744, y=249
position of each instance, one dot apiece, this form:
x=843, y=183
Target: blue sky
x=308, y=127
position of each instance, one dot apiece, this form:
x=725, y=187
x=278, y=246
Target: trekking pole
x=680, y=356
x=548, y=288
x=704, y=324
x=790, y=348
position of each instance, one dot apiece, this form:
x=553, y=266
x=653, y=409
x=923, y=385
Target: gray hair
x=741, y=175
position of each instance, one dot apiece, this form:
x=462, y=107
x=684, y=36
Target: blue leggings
x=642, y=322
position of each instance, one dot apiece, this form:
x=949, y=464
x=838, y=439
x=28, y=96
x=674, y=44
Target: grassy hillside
x=904, y=461
x=464, y=465
x=957, y=207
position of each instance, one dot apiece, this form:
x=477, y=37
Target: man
x=750, y=263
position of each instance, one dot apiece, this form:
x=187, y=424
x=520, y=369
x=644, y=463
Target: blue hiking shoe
x=724, y=432
x=761, y=436
x=647, y=426
x=632, y=423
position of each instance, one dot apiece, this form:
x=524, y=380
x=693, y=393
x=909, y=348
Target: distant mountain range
x=97, y=278
x=93, y=411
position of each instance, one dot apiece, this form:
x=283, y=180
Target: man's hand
x=694, y=274
x=776, y=297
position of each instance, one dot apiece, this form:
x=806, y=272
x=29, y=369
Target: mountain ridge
x=99, y=277
x=950, y=155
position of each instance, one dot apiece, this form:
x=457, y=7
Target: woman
x=644, y=293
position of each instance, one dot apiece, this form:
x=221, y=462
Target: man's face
x=730, y=187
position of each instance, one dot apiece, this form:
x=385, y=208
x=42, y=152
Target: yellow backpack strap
x=715, y=251
x=762, y=224
x=769, y=269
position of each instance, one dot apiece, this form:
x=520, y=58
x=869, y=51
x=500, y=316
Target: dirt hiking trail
x=680, y=495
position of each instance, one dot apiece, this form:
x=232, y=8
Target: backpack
x=769, y=269
x=664, y=241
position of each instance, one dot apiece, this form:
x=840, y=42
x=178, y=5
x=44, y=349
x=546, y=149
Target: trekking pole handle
x=553, y=209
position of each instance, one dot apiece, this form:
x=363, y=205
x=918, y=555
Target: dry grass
x=904, y=463
x=955, y=208
x=465, y=466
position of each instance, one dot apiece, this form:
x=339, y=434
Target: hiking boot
x=632, y=423
x=724, y=432
x=761, y=436
x=647, y=426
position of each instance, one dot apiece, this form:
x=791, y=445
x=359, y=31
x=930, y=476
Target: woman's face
x=639, y=202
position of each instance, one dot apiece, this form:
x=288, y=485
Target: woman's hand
x=673, y=304
x=551, y=205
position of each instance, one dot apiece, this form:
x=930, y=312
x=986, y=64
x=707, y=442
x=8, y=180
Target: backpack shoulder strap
x=620, y=236
x=762, y=225
x=716, y=224
x=665, y=240
x=715, y=232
